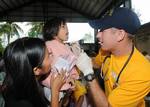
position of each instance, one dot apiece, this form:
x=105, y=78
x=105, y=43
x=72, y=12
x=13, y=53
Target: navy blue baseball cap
x=121, y=18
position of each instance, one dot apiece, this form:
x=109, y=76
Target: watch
x=89, y=77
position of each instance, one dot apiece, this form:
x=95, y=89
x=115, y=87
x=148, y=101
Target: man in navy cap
x=126, y=72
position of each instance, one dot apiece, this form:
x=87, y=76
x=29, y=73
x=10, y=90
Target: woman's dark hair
x=51, y=28
x=20, y=58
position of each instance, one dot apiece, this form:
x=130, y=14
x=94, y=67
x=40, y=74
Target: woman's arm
x=56, y=84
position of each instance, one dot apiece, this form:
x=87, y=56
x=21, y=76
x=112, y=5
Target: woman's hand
x=56, y=83
x=58, y=80
x=71, y=81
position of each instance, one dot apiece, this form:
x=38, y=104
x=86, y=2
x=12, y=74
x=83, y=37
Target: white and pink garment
x=62, y=55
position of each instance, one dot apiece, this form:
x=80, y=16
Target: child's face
x=63, y=33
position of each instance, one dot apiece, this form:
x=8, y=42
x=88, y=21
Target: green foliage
x=36, y=29
x=9, y=29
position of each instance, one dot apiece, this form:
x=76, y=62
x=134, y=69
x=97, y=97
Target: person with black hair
x=55, y=34
x=26, y=62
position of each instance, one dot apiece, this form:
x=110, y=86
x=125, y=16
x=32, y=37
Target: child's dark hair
x=51, y=28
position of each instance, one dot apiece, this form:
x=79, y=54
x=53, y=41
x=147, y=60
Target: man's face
x=107, y=39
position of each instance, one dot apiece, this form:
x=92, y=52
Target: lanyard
x=125, y=64
x=101, y=74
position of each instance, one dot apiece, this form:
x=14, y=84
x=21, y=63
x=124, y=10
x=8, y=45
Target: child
x=55, y=33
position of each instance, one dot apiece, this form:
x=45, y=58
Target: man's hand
x=76, y=49
x=84, y=64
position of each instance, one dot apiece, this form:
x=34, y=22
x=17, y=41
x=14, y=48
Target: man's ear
x=121, y=36
x=36, y=71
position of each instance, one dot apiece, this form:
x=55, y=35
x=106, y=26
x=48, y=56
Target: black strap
x=125, y=64
x=102, y=74
x=106, y=58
